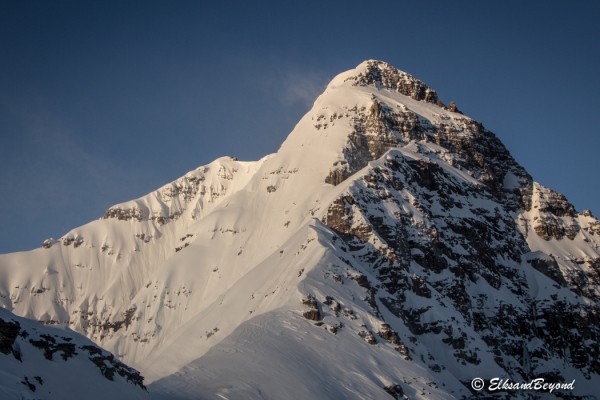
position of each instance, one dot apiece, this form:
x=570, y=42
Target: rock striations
x=391, y=248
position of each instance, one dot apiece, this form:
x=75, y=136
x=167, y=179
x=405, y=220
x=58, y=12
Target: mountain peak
x=385, y=228
x=382, y=75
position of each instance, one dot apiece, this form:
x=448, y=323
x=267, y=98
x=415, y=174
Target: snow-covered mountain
x=40, y=362
x=391, y=247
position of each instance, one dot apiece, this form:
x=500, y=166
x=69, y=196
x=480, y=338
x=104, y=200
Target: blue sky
x=104, y=101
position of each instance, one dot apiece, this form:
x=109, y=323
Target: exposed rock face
x=395, y=391
x=473, y=149
x=124, y=214
x=9, y=330
x=556, y=217
x=427, y=233
x=452, y=107
x=423, y=252
x=313, y=314
x=384, y=76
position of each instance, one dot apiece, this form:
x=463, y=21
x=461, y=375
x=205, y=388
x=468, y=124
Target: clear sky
x=104, y=101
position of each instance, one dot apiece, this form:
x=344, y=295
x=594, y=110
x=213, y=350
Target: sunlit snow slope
x=391, y=247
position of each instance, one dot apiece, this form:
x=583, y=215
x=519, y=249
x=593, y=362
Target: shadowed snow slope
x=40, y=362
x=391, y=247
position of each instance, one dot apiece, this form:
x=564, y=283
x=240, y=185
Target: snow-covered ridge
x=197, y=192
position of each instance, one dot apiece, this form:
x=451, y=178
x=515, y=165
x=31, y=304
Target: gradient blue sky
x=104, y=101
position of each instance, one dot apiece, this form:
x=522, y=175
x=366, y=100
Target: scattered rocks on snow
x=334, y=328
x=368, y=337
x=313, y=314
x=395, y=391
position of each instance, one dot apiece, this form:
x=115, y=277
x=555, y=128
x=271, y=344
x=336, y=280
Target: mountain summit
x=383, y=76
x=392, y=247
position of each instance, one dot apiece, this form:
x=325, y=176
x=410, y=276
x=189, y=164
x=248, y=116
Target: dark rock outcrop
x=425, y=232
